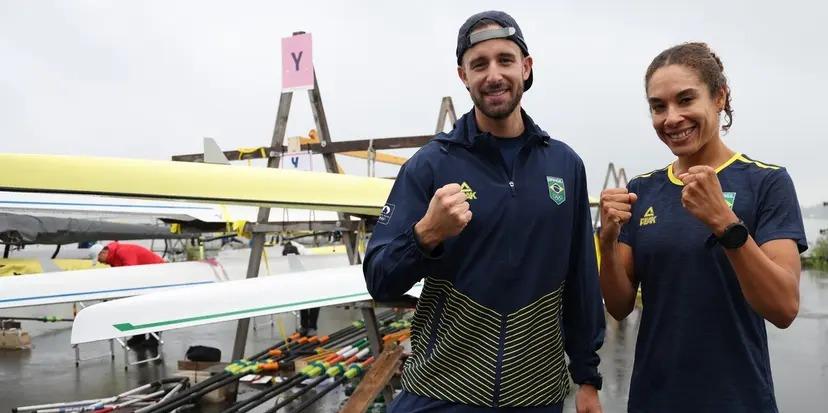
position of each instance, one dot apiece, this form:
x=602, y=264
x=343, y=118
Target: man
x=121, y=255
x=495, y=216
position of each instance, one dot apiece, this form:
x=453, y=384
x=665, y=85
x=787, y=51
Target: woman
x=713, y=240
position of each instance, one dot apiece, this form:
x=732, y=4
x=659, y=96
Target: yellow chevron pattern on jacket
x=533, y=341
x=460, y=363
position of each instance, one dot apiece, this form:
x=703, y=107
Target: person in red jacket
x=120, y=255
x=116, y=254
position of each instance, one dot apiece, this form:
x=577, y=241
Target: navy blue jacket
x=503, y=299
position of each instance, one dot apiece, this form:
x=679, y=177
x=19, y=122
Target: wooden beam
x=374, y=381
x=446, y=111
x=257, y=243
x=380, y=157
x=333, y=147
x=313, y=144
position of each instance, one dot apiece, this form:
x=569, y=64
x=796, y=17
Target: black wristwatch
x=734, y=236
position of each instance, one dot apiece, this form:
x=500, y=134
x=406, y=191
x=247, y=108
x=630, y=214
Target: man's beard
x=500, y=111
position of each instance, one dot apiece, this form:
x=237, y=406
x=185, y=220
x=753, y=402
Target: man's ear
x=463, y=77
x=527, y=67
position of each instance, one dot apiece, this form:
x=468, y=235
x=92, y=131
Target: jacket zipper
x=502, y=338
x=511, y=176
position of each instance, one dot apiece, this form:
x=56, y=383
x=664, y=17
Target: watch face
x=735, y=236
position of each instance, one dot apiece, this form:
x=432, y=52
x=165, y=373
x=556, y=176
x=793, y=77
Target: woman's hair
x=707, y=65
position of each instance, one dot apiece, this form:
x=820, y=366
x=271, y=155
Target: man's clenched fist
x=448, y=213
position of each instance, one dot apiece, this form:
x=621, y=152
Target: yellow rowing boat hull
x=193, y=182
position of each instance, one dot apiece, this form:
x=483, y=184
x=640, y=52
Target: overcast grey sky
x=148, y=79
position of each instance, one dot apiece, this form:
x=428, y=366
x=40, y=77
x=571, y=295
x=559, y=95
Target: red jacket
x=121, y=255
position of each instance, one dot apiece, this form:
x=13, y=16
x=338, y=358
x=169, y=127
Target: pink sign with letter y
x=297, y=62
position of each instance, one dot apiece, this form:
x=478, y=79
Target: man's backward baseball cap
x=509, y=29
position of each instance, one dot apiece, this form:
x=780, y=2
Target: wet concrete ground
x=46, y=374
x=799, y=354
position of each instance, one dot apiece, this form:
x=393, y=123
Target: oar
x=353, y=371
x=254, y=401
x=45, y=319
x=138, y=399
x=239, y=368
x=196, y=390
x=98, y=404
x=312, y=370
x=352, y=352
x=318, y=373
x=332, y=366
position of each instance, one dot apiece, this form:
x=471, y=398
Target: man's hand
x=702, y=197
x=616, y=210
x=586, y=400
x=448, y=213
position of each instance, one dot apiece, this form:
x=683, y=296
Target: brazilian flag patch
x=730, y=198
x=557, y=191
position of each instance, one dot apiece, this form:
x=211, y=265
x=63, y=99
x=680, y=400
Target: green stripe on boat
x=130, y=326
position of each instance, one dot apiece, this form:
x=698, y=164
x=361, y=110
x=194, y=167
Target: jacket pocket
x=436, y=324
